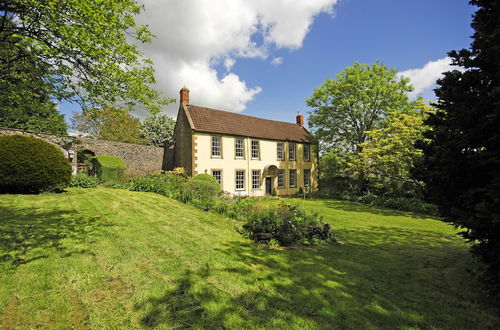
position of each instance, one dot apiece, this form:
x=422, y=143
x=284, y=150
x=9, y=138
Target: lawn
x=102, y=258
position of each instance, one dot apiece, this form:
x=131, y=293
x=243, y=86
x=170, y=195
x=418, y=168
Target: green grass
x=102, y=258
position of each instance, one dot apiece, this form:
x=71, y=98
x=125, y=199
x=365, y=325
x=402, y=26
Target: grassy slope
x=113, y=258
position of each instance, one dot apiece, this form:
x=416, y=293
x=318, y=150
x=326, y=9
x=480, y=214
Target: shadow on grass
x=402, y=282
x=360, y=207
x=28, y=234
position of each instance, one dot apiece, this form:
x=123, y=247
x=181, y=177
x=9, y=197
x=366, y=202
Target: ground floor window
x=217, y=174
x=293, y=178
x=307, y=178
x=256, y=179
x=281, y=178
x=240, y=180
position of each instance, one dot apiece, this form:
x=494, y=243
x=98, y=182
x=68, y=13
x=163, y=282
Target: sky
x=264, y=58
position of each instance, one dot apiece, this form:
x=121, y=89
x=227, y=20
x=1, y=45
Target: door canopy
x=270, y=170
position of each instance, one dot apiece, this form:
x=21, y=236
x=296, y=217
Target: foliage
x=87, y=49
x=24, y=94
x=200, y=189
x=335, y=178
x=461, y=165
x=31, y=165
x=409, y=204
x=158, y=130
x=170, y=184
x=109, y=124
x=108, y=167
x=82, y=180
x=287, y=225
x=359, y=100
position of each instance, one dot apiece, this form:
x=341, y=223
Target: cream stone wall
x=228, y=164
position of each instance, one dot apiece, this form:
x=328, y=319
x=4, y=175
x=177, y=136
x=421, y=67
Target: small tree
x=158, y=130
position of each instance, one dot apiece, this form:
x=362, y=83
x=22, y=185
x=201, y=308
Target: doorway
x=269, y=186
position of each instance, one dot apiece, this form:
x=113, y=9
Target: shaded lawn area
x=102, y=258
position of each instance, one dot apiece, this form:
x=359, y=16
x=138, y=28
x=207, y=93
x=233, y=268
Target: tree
x=360, y=98
x=83, y=48
x=158, y=130
x=390, y=152
x=109, y=124
x=461, y=165
x=24, y=94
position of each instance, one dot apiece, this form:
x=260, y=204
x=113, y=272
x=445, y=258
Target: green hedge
x=108, y=168
x=31, y=165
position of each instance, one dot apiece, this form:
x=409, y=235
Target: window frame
x=242, y=148
x=258, y=180
x=236, y=180
x=307, y=174
x=217, y=170
x=252, y=149
x=282, y=151
x=284, y=179
x=292, y=147
x=290, y=176
x=212, y=146
x=308, y=159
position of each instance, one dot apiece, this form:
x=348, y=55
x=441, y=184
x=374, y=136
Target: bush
x=108, y=168
x=202, y=187
x=287, y=225
x=31, y=165
x=170, y=185
x=83, y=181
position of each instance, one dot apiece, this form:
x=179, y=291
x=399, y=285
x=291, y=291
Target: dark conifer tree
x=461, y=165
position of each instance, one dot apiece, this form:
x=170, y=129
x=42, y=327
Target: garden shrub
x=200, y=189
x=287, y=225
x=31, y=165
x=170, y=185
x=108, y=168
x=83, y=181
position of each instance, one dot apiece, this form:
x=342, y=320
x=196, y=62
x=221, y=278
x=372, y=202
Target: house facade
x=249, y=156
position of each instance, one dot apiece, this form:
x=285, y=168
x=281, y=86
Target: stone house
x=249, y=156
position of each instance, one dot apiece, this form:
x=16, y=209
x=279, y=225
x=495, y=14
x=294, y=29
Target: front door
x=269, y=186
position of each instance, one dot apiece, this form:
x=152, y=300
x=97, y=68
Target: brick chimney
x=184, y=96
x=300, y=120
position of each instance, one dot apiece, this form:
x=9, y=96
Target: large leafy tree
x=158, y=130
x=357, y=101
x=109, y=124
x=24, y=93
x=86, y=48
x=462, y=162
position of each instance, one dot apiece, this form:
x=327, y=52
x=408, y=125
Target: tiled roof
x=224, y=122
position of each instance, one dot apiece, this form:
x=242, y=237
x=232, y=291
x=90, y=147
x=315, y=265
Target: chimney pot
x=300, y=120
x=184, y=96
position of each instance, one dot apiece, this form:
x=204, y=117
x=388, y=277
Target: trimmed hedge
x=31, y=165
x=108, y=168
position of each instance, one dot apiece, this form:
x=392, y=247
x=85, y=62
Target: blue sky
x=264, y=58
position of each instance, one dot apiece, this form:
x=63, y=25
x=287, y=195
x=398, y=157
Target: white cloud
x=194, y=36
x=425, y=78
x=277, y=61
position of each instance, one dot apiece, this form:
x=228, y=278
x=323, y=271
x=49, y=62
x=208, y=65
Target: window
x=280, y=147
x=281, y=178
x=239, y=148
x=256, y=179
x=307, y=178
x=240, y=180
x=291, y=151
x=255, y=149
x=307, y=153
x=293, y=178
x=216, y=147
x=217, y=174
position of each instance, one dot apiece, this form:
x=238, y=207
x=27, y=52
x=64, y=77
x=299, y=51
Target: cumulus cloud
x=425, y=78
x=194, y=37
x=277, y=61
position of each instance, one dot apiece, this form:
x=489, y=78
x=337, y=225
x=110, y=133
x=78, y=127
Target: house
x=249, y=156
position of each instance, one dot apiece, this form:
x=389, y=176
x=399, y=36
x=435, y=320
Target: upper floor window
x=293, y=178
x=255, y=149
x=255, y=179
x=281, y=178
x=240, y=180
x=239, y=148
x=217, y=174
x=291, y=151
x=307, y=153
x=307, y=177
x=216, y=147
x=280, y=147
